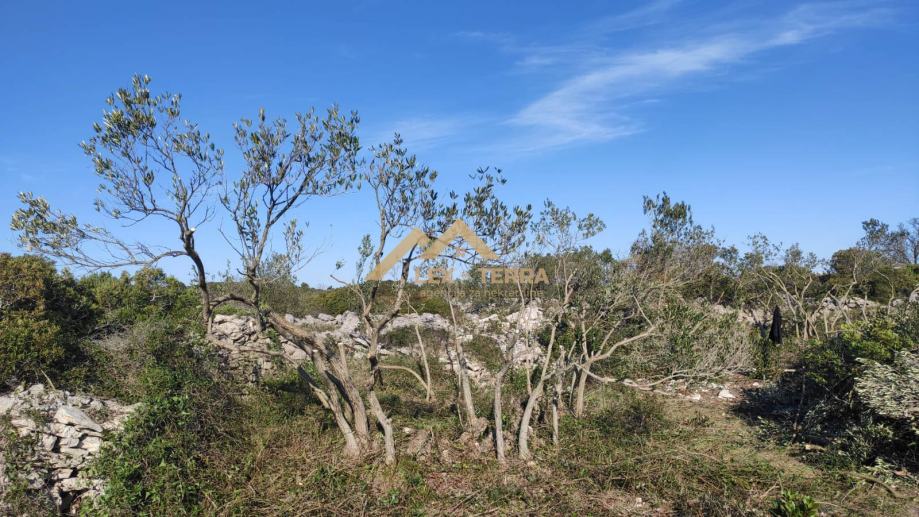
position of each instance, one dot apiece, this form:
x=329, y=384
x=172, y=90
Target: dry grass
x=635, y=454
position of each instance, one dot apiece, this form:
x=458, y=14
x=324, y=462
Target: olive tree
x=404, y=197
x=152, y=164
x=499, y=233
x=559, y=232
x=282, y=170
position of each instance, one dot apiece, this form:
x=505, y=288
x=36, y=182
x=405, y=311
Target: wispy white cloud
x=424, y=132
x=648, y=13
x=594, y=85
x=587, y=107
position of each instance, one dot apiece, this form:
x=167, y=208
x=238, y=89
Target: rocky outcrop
x=831, y=305
x=249, y=352
x=253, y=354
x=63, y=433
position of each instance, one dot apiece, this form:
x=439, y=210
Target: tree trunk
x=427, y=369
x=388, y=443
x=583, y=373
x=523, y=440
x=499, y=424
x=465, y=387
x=354, y=445
x=203, y=289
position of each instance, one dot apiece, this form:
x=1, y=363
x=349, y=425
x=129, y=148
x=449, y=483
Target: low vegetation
x=682, y=377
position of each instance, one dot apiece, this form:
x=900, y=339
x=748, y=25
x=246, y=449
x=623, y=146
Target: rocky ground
x=255, y=355
x=62, y=433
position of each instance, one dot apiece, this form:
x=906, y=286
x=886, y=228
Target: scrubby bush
x=336, y=301
x=433, y=304
x=892, y=390
x=833, y=364
x=43, y=316
x=852, y=394
x=793, y=504
x=158, y=464
x=147, y=294
x=693, y=342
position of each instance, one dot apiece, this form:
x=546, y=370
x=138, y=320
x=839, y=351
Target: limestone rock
x=91, y=444
x=7, y=404
x=64, y=439
x=73, y=416
x=725, y=394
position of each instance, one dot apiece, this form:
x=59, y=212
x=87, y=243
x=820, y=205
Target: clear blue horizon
x=797, y=120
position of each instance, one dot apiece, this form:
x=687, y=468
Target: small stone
x=92, y=444
x=60, y=474
x=36, y=390
x=64, y=430
x=73, y=416
x=35, y=480
x=725, y=394
x=70, y=441
x=73, y=452
x=73, y=485
x=48, y=442
x=23, y=423
x=695, y=397
x=7, y=404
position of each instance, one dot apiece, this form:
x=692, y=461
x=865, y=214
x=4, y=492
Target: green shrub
x=43, y=316
x=147, y=294
x=337, y=301
x=851, y=393
x=833, y=364
x=434, y=305
x=158, y=464
x=892, y=390
x=793, y=504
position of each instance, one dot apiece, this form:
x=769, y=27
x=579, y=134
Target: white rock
x=695, y=397
x=725, y=394
x=48, y=442
x=36, y=390
x=92, y=444
x=70, y=441
x=7, y=404
x=74, y=452
x=36, y=482
x=72, y=415
x=73, y=484
x=24, y=423
x=59, y=474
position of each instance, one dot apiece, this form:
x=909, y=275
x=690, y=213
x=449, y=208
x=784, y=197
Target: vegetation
x=43, y=316
x=570, y=396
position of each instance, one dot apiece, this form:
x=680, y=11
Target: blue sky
x=798, y=120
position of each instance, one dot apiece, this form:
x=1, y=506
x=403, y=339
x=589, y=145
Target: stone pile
x=248, y=351
x=253, y=354
x=830, y=304
x=64, y=432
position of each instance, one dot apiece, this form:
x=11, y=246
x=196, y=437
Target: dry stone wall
x=253, y=354
x=64, y=433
